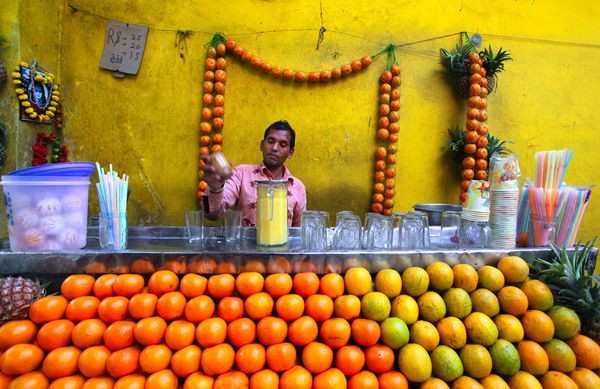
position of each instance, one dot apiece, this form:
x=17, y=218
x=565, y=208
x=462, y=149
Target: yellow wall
x=147, y=125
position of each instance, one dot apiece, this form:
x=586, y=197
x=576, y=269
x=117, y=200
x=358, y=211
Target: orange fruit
x=113, y=308
x=163, y=281
x=426, y=334
x=55, y=334
x=241, y=331
x=259, y=305
x=61, y=362
x=349, y=359
x=128, y=284
x=490, y=278
x=538, y=294
x=289, y=307
x=317, y=357
x=587, y=351
x=363, y=380
x=142, y=305
x=171, y=305
x=131, y=381
x=250, y=358
x=82, y=308
x=537, y=326
x=278, y=284
x=466, y=382
x=220, y=285
x=303, y=331
x=123, y=362
x=330, y=379
x=119, y=334
x=297, y=377
x=305, y=283
x=335, y=332
x=452, y=332
x=379, y=358
x=254, y=265
x=509, y=328
x=279, y=264
x=77, y=285
x=281, y=356
x=21, y=358
x=33, y=380
x=192, y=285
x=199, y=308
x=515, y=269
x=211, y=332
x=249, y=283
x=319, y=307
x=154, y=358
x=271, y=330
x=88, y=333
x=513, y=300
x=264, y=379
x=392, y=380
x=103, y=286
x=163, y=379
x=48, y=308
x=358, y=281
x=230, y=308
x=150, y=330
x=415, y=281
x=347, y=306
x=198, y=380
x=557, y=380
x=232, y=379
x=102, y=382
x=494, y=381
x=179, y=334
x=17, y=331
x=485, y=301
x=202, y=264
x=332, y=285
x=217, y=360
x=186, y=360
x=561, y=356
x=177, y=265
x=465, y=277
x=365, y=332
x=92, y=361
x=143, y=265
x=441, y=276
x=68, y=382
x=585, y=378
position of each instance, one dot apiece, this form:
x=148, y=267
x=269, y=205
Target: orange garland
x=212, y=113
x=476, y=143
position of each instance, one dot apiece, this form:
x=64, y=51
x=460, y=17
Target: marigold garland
x=30, y=80
x=212, y=112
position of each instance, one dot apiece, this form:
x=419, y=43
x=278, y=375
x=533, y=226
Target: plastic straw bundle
x=550, y=168
x=524, y=215
x=572, y=203
x=112, y=199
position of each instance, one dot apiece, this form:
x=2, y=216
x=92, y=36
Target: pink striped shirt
x=239, y=193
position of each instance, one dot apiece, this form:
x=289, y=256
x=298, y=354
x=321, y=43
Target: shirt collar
x=267, y=173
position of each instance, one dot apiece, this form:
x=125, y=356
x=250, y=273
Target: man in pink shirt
x=238, y=190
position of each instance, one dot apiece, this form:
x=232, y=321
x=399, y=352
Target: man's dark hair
x=282, y=125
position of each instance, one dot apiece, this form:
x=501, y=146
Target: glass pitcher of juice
x=272, y=212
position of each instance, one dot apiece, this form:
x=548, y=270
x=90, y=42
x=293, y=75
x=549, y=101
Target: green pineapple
x=494, y=64
x=456, y=61
x=16, y=295
x=571, y=279
x=457, y=144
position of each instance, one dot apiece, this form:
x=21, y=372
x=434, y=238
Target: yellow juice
x=271, y=215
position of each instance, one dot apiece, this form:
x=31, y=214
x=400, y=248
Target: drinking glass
x=425, y=218
x=195, y=226
x=232, y=223
x=378, y=232
x=450, y=230
x=348, y=231
x=112, y=231
x=474, y=234
x=397, y=229
x=314, y=230
x=542, y=230
x=412, y=232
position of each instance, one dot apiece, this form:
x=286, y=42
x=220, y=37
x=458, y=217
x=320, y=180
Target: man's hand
x=212, y=178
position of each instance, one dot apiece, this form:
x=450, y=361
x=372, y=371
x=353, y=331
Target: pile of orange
x=299, y=331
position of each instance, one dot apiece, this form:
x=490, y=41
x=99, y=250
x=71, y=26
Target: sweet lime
x=358, y=281
x=415, y=281
x=388, y=282
x=414, y=362
x=566, y=322
x=375, y=306
x=394, y=332
x=431, y=306
x=481, y=329
x=476, y=360
x=406, y=308
x=505, y=358
x=446, y=363
x=458, y=303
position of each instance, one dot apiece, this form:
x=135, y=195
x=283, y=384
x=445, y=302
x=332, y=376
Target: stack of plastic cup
x=504, y=201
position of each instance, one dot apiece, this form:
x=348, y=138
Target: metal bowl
x=434, y=211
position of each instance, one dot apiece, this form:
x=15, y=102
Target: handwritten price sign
x=123, y=47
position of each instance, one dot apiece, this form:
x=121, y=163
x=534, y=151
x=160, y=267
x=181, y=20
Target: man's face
x=276, y=148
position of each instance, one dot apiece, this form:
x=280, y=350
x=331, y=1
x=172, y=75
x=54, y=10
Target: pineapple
x=16, y=295
x=494, y=64
x=571, y=279
x=457, y=144
x=456, y=61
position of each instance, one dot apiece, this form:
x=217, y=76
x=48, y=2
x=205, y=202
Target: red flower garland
x=40, y=150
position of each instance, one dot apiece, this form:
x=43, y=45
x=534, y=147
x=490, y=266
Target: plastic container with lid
x=46, y=213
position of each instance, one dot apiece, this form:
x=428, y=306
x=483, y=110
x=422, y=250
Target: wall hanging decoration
x=37, y=92
x=45, y=143
x=212, y=112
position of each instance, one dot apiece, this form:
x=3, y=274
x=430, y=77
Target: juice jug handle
x=270, y=197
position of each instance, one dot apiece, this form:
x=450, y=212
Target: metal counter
x=151, y=248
